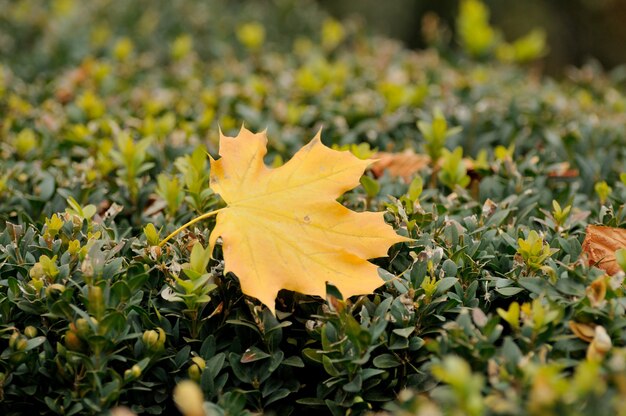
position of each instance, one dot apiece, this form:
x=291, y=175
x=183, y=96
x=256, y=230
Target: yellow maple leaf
x=283, y=228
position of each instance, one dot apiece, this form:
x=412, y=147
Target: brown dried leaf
x=600, y=345
x=596, y=292
x=600, y=245
x=563, y=171
x=586, y=332
x=402, y=165
x=407, y=163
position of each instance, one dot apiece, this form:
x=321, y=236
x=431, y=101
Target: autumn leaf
x=596, y=292
x=563, y=171
x=583, y=331
x=407, y=163
x=404, y=164
x=283, y=228
x=600, y=245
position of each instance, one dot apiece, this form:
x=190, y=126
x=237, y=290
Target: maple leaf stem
x=195, y=220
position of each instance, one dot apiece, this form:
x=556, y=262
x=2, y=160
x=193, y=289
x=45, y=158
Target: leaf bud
x=18, y=357
x=96, y=302
x=36, y=272
x=154, y=340
x=21, y=344
x=132, y=373
x=72, y=342
x=30, y=331
x=83, y=328
x=13, y=339
x=195, y=369
x=55, y=290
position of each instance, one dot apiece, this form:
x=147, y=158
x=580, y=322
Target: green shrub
x=106, y=113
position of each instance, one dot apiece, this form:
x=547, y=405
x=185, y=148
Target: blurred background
x=577, y=30
x=37, y=36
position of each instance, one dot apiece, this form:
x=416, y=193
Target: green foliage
x=466, y=387
x=534, y=251
x=152, y=235
x=25, y=142
x=130, y=158
x=435, y=134
x=479, y=39
x=453, y=171
x=105, y=125
x=476, y=34
x=559, y=214
x=525, y=49
x=171, y=191
x=603, y=190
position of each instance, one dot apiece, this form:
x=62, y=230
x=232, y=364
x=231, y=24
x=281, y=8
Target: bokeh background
x=34, y=33
x=578, y=31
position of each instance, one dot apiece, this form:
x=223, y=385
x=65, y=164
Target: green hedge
x=106, y=113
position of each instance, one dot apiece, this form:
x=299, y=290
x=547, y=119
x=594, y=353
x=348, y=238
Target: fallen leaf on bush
x=407, y=163
x=596, y=291
x=600, y=345
x=563, y=170
x=585, y=332
x=402, y=165
x=284, y=229
x=600, y=245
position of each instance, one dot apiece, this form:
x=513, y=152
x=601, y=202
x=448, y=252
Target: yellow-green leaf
x=283, y=228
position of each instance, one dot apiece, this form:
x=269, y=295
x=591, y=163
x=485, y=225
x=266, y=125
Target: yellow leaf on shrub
x=284, y=229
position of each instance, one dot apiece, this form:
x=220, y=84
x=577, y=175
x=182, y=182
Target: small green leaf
x=371, y=186
x=404, y=332
x=293, y=361
x=386, y=361
x=415, y=188
x=34, y=343
x=152, y=235
x=509, y=291
x=312, y=355
x=330, y=367
x=444, y=284
x=253, y=354
x=199, y=258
